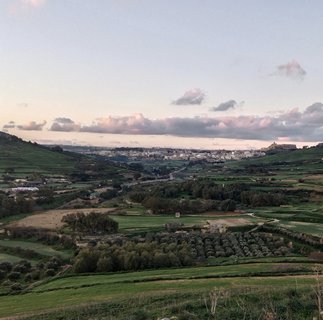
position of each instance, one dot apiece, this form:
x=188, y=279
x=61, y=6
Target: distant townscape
x=166, y=153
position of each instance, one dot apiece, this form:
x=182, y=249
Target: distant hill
x=310, y=157
x=21, y=157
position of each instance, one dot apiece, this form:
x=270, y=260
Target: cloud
x=191, y=97
x=9, y=125
x=64, y=125
x=294, y=124
x=224, y=106
x=23, y=105
x=292, y=70
x=135, y=124
x=32, y=126
x=22, y=6
x=33, y=3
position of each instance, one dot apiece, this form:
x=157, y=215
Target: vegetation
x=243, y=240
x=91, y=223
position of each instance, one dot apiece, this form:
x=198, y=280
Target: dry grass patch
x=52, y=219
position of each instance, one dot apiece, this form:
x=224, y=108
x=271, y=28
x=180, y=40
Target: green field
x=306, y=227
x=146, y=223
x=42, y=249
x=27, y=159
x=295, y=172
x=311, y=155
x=11, y=258
x=78, y=290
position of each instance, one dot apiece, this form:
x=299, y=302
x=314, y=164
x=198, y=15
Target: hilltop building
x=275, y=148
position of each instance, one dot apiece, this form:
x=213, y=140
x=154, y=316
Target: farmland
x=99, y=288
x=252, y=229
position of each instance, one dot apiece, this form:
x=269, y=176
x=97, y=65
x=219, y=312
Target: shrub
x=50, y=272
x=28, y=277
x=140, y=315
x=16, y=287
x=2, y=274
x=23, y=266
x=35, y=274
x=6, y=266
x=14, y=275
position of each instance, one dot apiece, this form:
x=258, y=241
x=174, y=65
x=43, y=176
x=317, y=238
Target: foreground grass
x=44, y=301
x=234, y=304
x=79, y=290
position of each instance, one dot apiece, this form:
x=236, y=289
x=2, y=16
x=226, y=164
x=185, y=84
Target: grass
x=27, y=158
x=42, y=249
x=303, y=217
x=311, y=155
x=9, y=219
x=11, y=258
x=305, y=227
x=170, y=274
x=146, y=223
x=241, y=260
x=78, y=290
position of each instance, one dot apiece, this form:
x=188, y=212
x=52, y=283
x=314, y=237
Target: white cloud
x=32, y=126
x=293, y=124
x=23, y=6
x=33, y=3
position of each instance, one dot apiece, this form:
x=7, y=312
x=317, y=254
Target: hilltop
x=311, y=157
x=21, y=157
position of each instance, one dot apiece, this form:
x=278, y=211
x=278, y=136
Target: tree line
x=201, y=195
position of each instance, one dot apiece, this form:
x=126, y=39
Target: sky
x=185, y=73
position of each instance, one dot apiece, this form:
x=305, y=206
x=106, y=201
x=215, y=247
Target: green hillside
x=22, y=158
x=311, y=157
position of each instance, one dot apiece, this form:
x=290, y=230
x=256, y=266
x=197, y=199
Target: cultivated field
x=80, y=290
x=52, y=219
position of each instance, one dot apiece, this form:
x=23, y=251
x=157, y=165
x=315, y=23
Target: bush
x=140, y=315
x=50, y=272
x=185, y=315
x=92, y=223
x=2, y=274
x=16, y=287
x=23, y=267
x=28, y=277
x=6, y=283
x=14, y=275
x=35, y=275
x=6, y=266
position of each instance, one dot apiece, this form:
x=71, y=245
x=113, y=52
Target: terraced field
x=89, y=289
x=39, y=248
x=33, y=159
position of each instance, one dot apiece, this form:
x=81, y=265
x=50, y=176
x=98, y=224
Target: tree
x=104, y=264
x=86, y=261
x=45, y=196
x=91, y=223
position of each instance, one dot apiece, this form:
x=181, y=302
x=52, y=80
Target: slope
x=23, y=158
